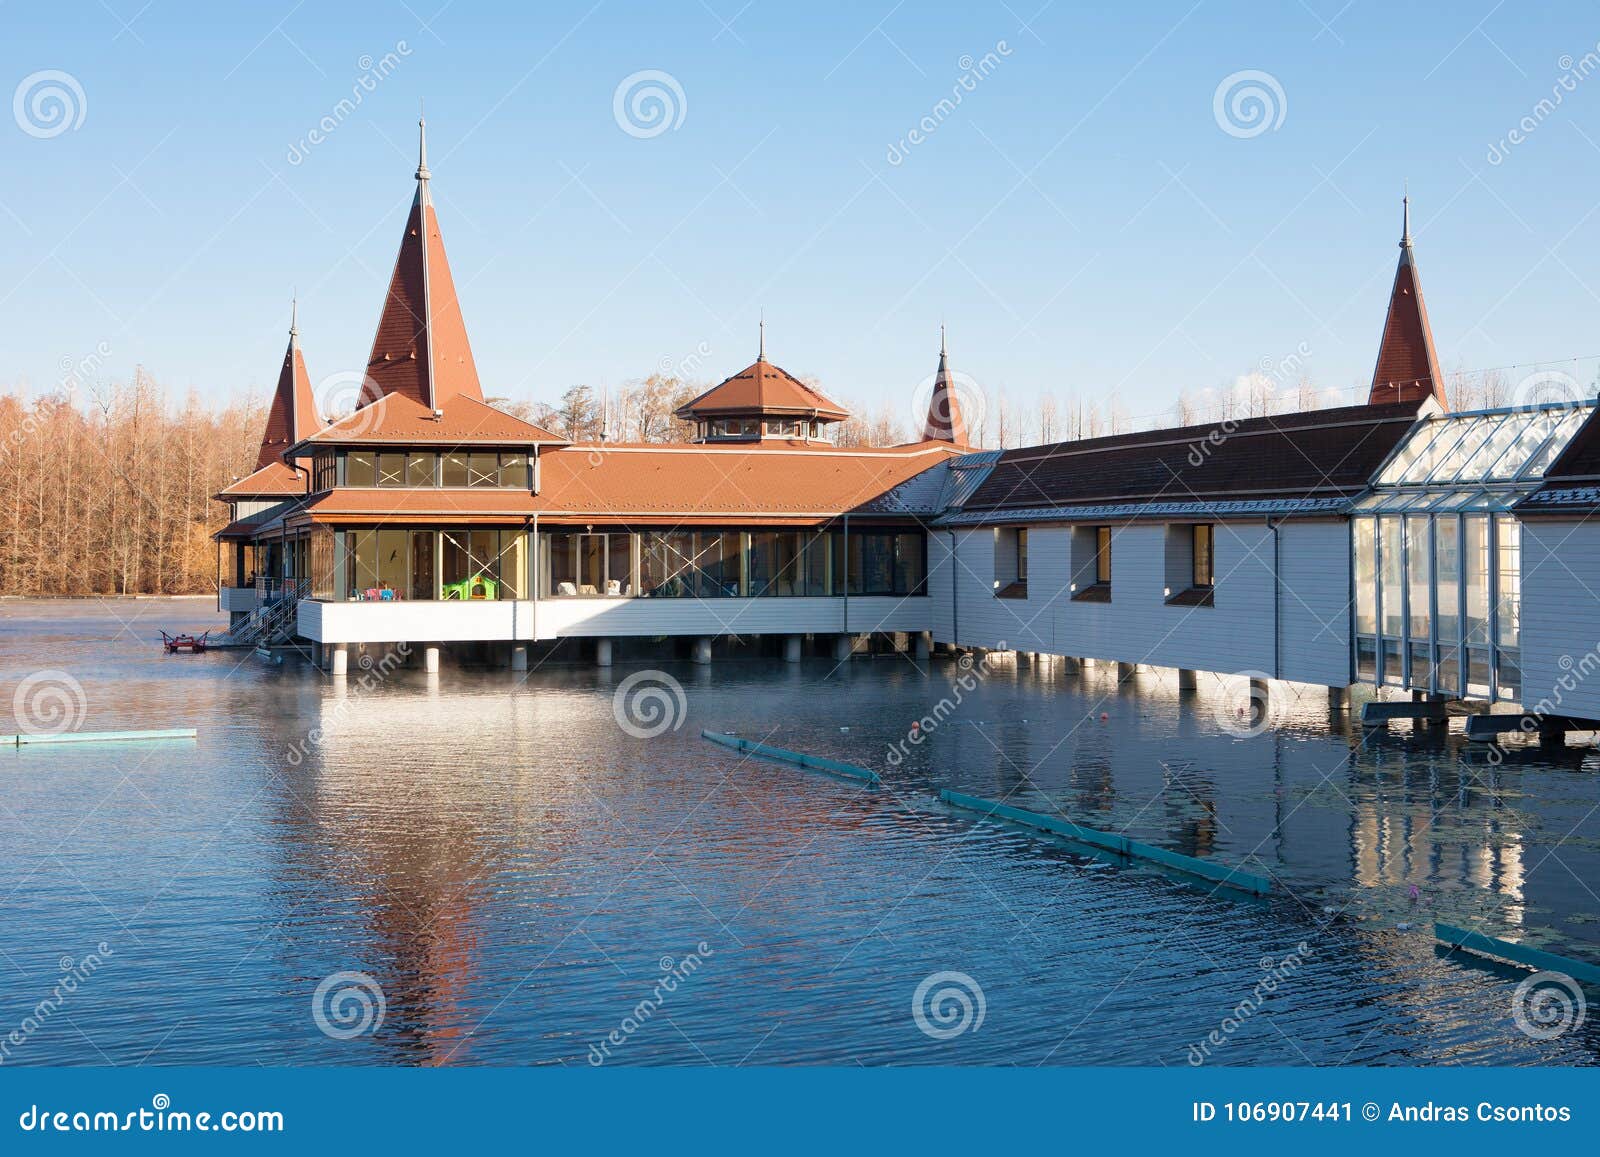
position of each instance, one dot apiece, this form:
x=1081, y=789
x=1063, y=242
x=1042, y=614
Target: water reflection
x=512, y=869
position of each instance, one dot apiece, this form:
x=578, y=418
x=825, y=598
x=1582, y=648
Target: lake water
x=514, y=875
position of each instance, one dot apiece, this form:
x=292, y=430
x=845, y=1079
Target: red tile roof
x=1408, y=366
x=293, y=413
x=399, y=420
x=274, y=480
x=761, y=387
x=789, y=483
x=945, y=422
x=421, y=349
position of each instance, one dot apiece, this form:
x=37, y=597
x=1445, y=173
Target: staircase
x=271, y=624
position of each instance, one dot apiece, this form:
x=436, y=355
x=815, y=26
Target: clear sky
x=1082, y=219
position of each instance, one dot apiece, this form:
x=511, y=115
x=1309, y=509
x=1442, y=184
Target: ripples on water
x=514, y=871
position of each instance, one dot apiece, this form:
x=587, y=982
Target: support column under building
x=924, y=645
x=602, y=652
x=430, y=658
x=340, y=659
x=702, y=650
x=843, y=647
x=1126, y=672
x=791, y=648
x=519, y=656
x=1339, y=699
x=1188, y=680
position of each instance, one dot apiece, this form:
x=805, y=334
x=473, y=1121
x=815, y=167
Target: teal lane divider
x=813, y=762
x=1517, y=953
x=98, y=736
x=1111, y=842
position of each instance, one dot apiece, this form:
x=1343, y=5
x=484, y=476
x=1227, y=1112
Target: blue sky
x=1082, y=221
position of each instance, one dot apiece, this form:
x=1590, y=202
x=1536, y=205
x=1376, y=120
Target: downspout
x=1277, y=601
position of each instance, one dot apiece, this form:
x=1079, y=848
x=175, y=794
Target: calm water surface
x=513, y=870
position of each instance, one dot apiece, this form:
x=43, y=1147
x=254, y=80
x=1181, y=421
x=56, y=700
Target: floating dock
x=1477, y=942
x=811, y=762
x=98, y=736
x=1110, y=841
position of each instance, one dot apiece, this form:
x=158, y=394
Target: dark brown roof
x=1318, y=453
x=293, y=413
x=945, y=422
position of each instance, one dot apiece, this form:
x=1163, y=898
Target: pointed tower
x=944, y=423
x=421, y=348
x=293, y=413
x=1408, y=367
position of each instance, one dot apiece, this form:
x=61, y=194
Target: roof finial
x=761, y=347
x=422, y=147
x=1405, y=204
x=294, y=316
x=941, y=339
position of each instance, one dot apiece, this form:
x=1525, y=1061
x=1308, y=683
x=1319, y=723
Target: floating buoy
x=1403, y=926
x=1104, y=716
x=916, y=726
x=1415, y=894
x=1328, y=909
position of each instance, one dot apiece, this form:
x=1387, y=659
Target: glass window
x=514, y=472
x=471, y=565
x=1102, y=554
x=1417, y=584
x=819, y=574
x=422, y=565
x=420, y=469
x=666, y=565
x=1022, y=555
x=910, y=562
x=1508, y=591
x=455, y=469
x=1475, y=561
x=619, y=564
x=391, y=469
x=1365, y=539
x=1447, y=577
x=561, y=565
x=359, y=468
x=1203, y=536
x=483, y=470
x=1393, y=568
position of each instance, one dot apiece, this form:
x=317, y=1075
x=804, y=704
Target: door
x=422, y=564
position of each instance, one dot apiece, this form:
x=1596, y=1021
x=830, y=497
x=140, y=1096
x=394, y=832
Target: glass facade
x=709, y=564
x=1436, y=554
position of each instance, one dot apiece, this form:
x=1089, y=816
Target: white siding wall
x=237, y=599
x=1236, y=636
x=446, y=622
x=1561, y=616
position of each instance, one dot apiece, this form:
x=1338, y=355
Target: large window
x=1203, y=541
x=482, y=564
x=587, y=565
x=399, y=468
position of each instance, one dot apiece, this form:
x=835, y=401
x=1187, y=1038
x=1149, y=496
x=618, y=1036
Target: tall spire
x=1408, y=365
x=422, y=149
x=761, y=339
x=945, y=423
x=421, y=348
x=293, y=412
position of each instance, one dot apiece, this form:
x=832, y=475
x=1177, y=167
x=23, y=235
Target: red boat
x=185, y=644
